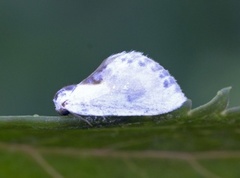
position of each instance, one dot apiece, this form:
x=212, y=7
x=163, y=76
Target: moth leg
x=81, y=118
x=105, y=119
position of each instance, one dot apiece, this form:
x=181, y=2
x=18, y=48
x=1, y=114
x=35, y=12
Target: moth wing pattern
x=126, y=84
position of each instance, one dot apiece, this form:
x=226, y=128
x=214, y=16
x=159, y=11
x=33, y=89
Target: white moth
x=125, y=84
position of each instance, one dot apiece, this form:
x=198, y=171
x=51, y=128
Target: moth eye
x=63, y=112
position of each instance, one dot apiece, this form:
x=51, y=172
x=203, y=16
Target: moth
x=125, y=84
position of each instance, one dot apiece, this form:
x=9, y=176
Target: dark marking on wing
x=130, y=61
x=134, y=95
x=141, y=63
x=168, y=82
x=96, y=77
x=172, y=80
x=61, y=92
x=156, y=67
x=147, y=60
x=164, y=73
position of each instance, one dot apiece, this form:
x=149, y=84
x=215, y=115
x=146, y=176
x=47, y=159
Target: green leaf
x=215, y=106
x=232, y=112
x=203, y=142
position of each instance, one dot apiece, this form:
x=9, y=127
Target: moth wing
x=126, y=84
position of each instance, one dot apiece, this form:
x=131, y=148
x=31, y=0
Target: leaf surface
x=203, y=142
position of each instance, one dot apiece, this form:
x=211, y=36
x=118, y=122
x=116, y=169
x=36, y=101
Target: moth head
x=61, y=97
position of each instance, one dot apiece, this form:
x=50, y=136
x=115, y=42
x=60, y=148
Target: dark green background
x=47, y=44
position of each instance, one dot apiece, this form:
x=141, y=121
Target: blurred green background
x=47, y=44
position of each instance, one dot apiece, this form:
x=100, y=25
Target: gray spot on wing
x=164, y=74
x=168, y=82
x=147, y=60
x=141, y=63
x=115, y=56
x=130, y=61
x=172, y=80
x=69, y=87
x=96, y=76
x=134, y=95
x=63, y=91
x=156, y=67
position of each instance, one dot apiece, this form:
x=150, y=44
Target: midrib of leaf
x=191, y=158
